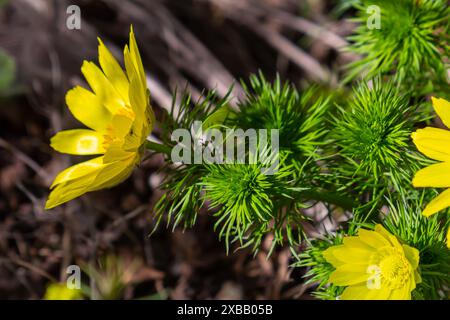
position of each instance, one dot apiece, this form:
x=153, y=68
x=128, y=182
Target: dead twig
x=132, y=214
x=25, y=159
x=190, y=53
x=276, y=40
x=32, y=268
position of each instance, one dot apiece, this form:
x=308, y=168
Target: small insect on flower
x=119, y=117
x=374, y=266
x=434, y=143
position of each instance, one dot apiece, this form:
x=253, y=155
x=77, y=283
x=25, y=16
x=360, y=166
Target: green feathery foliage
x=299, y=117
x=411, y=43
x=247, y=204
x=244, y=199
x=374, y=158
x=182, y=200
x=317, y=269
x=373, y=134
x=356, y=158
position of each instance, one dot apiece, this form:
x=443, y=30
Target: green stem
x=158, y=147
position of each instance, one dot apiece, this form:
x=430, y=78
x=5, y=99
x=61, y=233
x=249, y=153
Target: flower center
x=120, y=127
x=126, y=111
x=394, y=268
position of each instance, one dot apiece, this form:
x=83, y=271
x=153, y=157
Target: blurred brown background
x=192, y=44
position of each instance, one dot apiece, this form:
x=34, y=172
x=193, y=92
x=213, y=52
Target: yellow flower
x=60, y=291
x=119, y=117
x=435, y=143
x=374, y=266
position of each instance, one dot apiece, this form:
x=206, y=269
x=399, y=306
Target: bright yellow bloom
x=374, y=266
x=119, y=117
x=435, y=143
x=60, y=291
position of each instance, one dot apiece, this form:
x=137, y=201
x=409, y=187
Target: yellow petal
x=412, y=254
x=120, y=125
x=78, y=141
x=60, y=291
x=138, y=98
x=135, y=55
x=103, y=89
x=132, y=69
x=411, y=282
x=330, y=257
x=353, y=255
x=113, y=71
x=439, y=203
x=88, y=108
x=70, y=190
x=359, y=292
x=113, y=174
x=356, y=242
x=105, y=176
x=433, y=143
x=347, y=275
x=417, y=277
x=373, y=238
x=362, y=292
x=378, y=294
x=390, y=237
x=78, y=170
x=436, y=175
x=139, y=104
x=148, y=125
x=403, y=293
x=442, y=108
x=116, y=153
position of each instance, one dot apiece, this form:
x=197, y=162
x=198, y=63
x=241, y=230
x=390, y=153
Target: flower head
x=119, y=117
x=60, y=291
x=374, y=266
x=434, y=143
